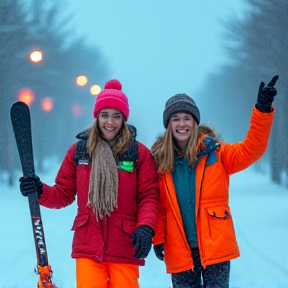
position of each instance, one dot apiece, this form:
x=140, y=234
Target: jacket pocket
x=119, y=242
x=80, y=221
x=80, y=228
x=219, y=219
x=219, y=212
x=82, y=239
x=88, y=239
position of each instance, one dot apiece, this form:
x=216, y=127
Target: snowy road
x=259, y=208
x=261, y=224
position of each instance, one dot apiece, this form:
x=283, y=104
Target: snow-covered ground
x=259, y=208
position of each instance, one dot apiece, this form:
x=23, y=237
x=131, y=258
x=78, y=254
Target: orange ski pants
x=92, y=274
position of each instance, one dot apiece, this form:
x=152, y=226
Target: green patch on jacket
x=127, y=166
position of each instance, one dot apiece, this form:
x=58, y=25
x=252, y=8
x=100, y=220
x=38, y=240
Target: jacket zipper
x=199, y=236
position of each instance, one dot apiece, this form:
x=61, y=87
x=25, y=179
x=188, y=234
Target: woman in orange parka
x=195, y=234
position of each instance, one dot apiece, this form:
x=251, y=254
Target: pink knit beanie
x=112, y=97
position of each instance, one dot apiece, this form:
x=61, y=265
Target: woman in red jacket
x=195, y=234
x=116, y=183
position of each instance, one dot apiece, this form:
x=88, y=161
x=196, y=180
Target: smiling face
x=110, y=122
x=182, y=126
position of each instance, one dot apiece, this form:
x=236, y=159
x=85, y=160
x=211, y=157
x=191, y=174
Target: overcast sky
x=155, y=48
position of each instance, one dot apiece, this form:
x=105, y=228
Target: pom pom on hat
x=113, y=84
x=112, y=97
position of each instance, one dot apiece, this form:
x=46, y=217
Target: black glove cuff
x=147, y=230
x=264, y=108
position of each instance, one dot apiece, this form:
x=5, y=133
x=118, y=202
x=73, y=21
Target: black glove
x=29, y=184
x=266, y=95
x=142, y=240
x=159, y=251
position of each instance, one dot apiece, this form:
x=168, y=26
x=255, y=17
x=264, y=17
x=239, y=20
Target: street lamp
x=47, y=104
x=36, y=56
x=26, y=95
x=95, y=89
x=77, y=110
x=81, y=80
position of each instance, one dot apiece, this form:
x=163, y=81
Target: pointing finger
x=273, y=81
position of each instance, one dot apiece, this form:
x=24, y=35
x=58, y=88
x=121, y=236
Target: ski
x=21, y=124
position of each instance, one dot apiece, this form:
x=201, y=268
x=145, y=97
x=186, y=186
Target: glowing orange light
x=77, y=110
x=95, y=89
x=47, y=104
x=26, y=95
x=81, y=80
x=36, y=56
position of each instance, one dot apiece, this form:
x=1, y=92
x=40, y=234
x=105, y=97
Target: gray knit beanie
x=180, y=103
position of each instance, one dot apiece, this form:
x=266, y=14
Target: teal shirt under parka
x=184, y=181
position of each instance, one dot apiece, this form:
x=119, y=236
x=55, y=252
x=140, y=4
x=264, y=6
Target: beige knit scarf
x=103, y=183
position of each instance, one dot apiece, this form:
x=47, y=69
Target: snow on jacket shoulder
x=109, y=239
x=215, y=230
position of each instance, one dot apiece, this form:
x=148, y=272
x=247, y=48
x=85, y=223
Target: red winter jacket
x=108, y=240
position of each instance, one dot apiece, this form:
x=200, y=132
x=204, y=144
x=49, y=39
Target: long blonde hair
x=122, y=140
x=163, y=148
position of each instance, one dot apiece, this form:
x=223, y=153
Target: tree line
x=257, y=45
x=25, y=26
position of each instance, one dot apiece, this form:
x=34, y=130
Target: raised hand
x=266, y=95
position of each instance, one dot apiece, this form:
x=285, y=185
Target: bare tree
x=64, y=58
x=258, y=48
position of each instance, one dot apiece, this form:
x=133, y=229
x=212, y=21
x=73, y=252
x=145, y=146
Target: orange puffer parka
x=215, y=230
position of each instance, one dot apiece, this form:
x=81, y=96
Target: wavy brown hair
x=122, y=140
